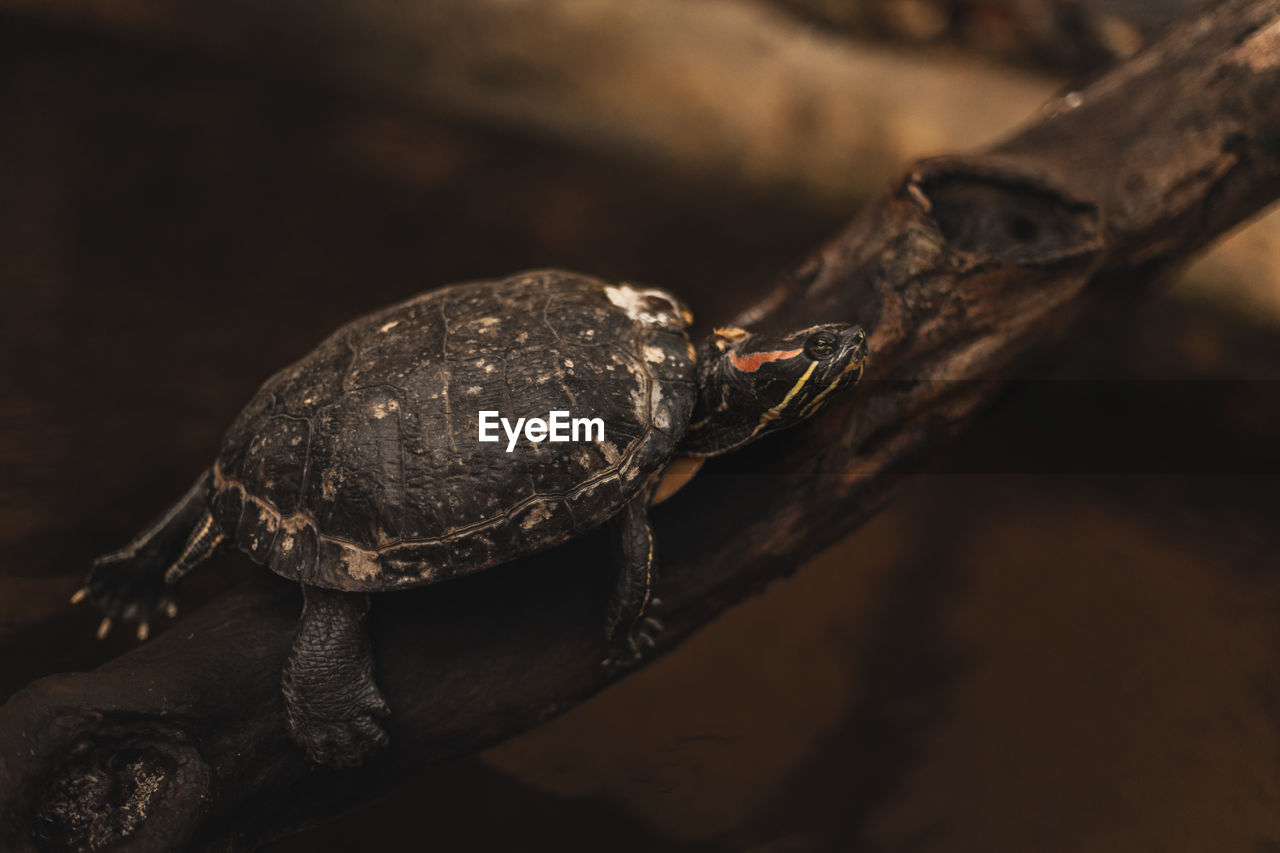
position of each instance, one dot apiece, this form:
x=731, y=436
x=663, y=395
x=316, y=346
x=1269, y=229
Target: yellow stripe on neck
x=817, y=401
x=774, y=413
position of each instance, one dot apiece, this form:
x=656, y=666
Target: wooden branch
x=963, y=266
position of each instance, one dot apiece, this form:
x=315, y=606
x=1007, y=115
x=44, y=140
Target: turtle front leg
x=629, y=628
x=331, y=701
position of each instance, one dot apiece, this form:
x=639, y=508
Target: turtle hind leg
x=130, y=585
x=203, y=540
x=332, y=703
x=630, y=626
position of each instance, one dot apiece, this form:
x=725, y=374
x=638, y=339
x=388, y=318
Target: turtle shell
x=360, y=466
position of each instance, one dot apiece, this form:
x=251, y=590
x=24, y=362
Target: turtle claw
x=126, y=589
x=619, y=661
x=623, y=657
x=637, y=642
x=344, y=738
x=345, y=745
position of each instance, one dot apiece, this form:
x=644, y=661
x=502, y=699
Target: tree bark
x=958, y=272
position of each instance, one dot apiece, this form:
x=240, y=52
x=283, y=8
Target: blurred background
x=1061, y=634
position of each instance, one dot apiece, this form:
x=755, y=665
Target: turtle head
x=752, y=384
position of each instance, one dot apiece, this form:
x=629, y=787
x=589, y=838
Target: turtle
x=361, y=467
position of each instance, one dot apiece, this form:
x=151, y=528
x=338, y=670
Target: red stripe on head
x=751, y=362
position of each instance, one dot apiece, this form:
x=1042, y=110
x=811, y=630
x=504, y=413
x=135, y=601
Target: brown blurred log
x=957, y=272
x=738, y=89
x=1062, y=36
x=730, y=88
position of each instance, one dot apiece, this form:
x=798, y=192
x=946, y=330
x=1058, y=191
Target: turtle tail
x=138, y=582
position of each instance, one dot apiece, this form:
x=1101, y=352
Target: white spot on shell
x=661, y=412
x=359, y=564
x=535, y=515
x=268, y=518
x=662, y=418
x=329, y=484
x=654, y=355
x=639, y=305
x=386, y=327
x=474, y=391
x=638, y=402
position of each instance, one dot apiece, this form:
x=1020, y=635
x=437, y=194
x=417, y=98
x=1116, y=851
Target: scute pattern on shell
x=359, y=467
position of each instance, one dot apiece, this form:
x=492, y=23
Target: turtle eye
x=820, y=345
